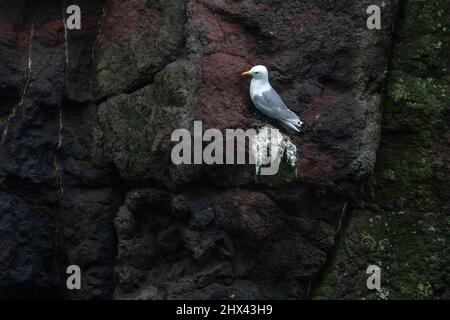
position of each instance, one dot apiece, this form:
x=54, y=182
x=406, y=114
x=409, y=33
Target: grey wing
x=271, y=104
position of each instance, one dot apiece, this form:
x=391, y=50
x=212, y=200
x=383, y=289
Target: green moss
x=405, y=172
x=423, y=17
x=408, y=243
x=411, y=250
x=415, y=110
x=286, y=174
x=413, y=103
x=389, y=175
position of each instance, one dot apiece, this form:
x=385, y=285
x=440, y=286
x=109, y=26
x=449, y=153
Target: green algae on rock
x=410, y=248
x=416, y=110
x=412, y=172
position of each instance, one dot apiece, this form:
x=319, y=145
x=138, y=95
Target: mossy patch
x=415, y=111
x=285, y=175
x=411, y=178
x=411, y=250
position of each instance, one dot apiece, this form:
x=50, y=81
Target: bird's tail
x=295, y=124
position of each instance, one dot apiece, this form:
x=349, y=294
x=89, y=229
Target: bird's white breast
x=257, y=87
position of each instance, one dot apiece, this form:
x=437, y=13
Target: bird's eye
x=256, y=72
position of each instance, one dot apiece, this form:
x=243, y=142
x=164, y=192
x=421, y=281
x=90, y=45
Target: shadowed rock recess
x=86, y=176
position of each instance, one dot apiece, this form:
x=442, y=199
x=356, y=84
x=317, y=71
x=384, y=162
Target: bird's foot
x=257, y=124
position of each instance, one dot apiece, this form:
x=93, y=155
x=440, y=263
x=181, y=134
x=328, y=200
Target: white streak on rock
x=13, y=112
x=270, y=143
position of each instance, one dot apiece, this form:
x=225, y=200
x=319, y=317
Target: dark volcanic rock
x=85, y=169
x=53, y=181
x=406, y=232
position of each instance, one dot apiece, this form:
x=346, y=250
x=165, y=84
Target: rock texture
x=403, y=226
x=53, y=182
x=87, y=116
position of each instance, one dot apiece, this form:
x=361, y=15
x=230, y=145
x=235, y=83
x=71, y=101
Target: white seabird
x=268, y=101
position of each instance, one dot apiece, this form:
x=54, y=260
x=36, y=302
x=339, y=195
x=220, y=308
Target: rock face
x=58, y=195
x=403, y=224
x=87, y=117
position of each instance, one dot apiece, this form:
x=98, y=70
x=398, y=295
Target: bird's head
x=257, y=72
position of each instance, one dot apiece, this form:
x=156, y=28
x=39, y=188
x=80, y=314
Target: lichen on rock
x=402, y=223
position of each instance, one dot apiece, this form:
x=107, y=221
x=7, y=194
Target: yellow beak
x=247, y=74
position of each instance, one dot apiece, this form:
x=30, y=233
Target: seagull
x=268, y=101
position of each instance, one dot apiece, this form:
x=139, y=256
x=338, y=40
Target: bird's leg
x=258, y=124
